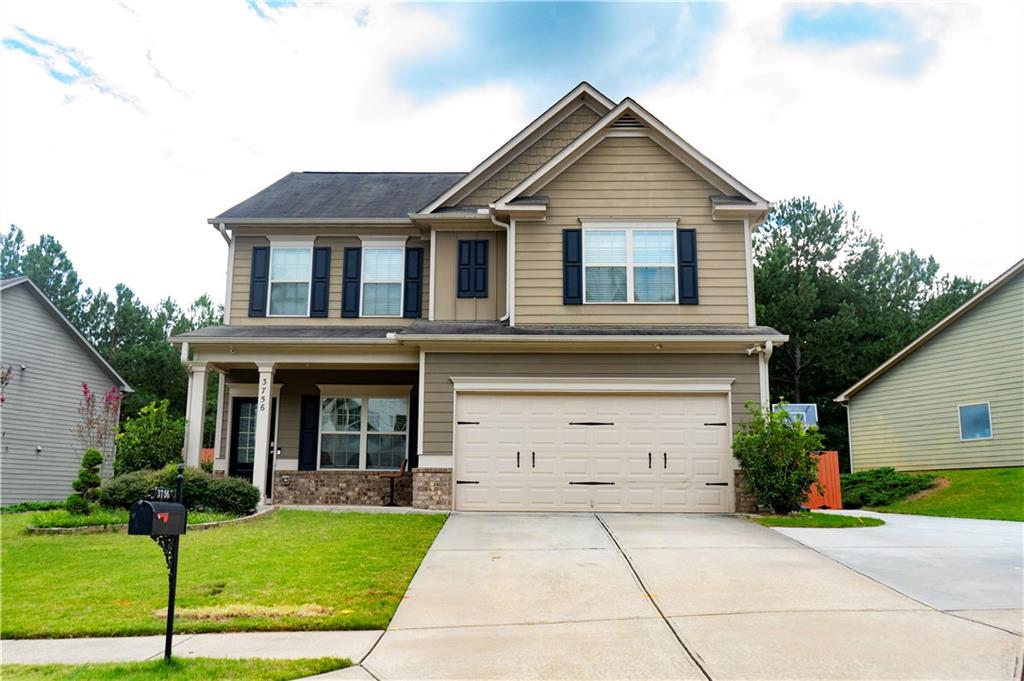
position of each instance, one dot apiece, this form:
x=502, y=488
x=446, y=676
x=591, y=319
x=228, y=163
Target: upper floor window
x=382, y=281
x=629, y=265
x=290, y=272
x=975, y=421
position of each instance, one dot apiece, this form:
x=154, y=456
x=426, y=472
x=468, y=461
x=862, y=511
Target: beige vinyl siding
x=335, y=238
x=447, y=304
x=908, y=417
x=630, y=177
x=41, y=407
x=440, y=367
x=533, y=157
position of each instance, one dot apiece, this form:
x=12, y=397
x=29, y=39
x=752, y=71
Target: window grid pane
x=289, y=299
x=654, y=284
x=339, y=450
x=341, y=415
x=653, y=247
x=383, y=264
x=382, y=299
x=606, y=285
x=975, y=422
x=387, y=415
x=290, y=264
x=604, y=247
x=384, y=451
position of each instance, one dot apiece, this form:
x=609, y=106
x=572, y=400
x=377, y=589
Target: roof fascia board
x=946, y=321
x=404, y=221
x=474, y=177
x=593, y=136
x=566, y=338
x=124, y=387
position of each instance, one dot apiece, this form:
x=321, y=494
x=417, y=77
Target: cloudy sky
x=124, y=125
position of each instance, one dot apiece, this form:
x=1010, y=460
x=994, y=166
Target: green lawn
x=291, y=570
x=107, y=516
x=816, y=520
x=993, y=493
x=191, y=669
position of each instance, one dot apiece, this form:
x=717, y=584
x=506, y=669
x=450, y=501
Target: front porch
x=316, y=427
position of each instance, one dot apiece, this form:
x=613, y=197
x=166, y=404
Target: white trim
x=229, y=278
x=594, y=135
x=631, y=385
x=218, y=434
x=953, y=316
x=521, y=137
x=510, y=271
x=381, y=243
x=749, y=256
x=279, y=221
x=419, y=403
x=288, y=243
x=762, y=375
x=433, y=273
x=960, y=422
x=363, y=393
x=629, y=228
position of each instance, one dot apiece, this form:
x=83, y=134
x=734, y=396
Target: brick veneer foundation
x=432, y=488
x=745, y=503
x=340, y=488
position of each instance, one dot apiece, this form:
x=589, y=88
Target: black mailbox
x=157, y=518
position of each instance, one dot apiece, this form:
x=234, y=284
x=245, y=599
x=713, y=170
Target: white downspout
x=510, y=248
x=228, y=275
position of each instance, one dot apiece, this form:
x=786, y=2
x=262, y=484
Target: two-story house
x=568, y=326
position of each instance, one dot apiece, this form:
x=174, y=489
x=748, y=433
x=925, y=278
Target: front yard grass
x=190, y=669
x=988, y=493
x=108, y=516
x=816, y=520
x=291, y=570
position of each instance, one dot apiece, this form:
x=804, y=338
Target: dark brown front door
x=243, y=438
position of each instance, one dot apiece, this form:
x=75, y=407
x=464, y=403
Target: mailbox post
x=164, y=521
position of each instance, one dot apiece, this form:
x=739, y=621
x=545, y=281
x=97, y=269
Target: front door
x=243, y=439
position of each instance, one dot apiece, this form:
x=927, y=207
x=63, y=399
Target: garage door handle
x=590, y=482
x=533, y=459
x=716, y=424
x=648, y=459
x=477, y=423
x=717, y=484
x=467, y=482
x=664, y=456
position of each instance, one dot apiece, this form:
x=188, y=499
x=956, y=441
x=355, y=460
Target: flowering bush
x=98, y=419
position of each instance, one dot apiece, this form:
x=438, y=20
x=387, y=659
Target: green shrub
x=776, y=455
x=77, y=505
x=26, y=506
x=151, y=440
x=126, y=489
x=882, y=486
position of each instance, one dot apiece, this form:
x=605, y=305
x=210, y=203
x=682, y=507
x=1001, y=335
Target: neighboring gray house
x=45, y=361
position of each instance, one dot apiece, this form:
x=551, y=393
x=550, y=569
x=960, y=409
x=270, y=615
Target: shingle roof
x=343, y=195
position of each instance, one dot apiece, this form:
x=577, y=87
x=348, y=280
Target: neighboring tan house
x=45, y=361
x=568, y=326
x=954, y=398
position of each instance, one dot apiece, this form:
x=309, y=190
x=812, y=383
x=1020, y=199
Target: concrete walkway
x=274, y=645
x=965, y=567
x=653, y=596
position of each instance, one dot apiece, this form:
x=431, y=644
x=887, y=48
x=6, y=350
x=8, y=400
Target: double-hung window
x=630, y=264
x=383, y=268
x=364, y=427
x=291, y=267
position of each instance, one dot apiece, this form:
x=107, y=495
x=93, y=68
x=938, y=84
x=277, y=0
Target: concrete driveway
x=659, y=596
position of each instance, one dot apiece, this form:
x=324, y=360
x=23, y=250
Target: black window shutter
x=572, y=266
x=321, y=282
x=308, y=429
x=687, y=248
x=480, y=268
x=351, y=276
x=412, y=308
x=259, y=280
x=465, y=270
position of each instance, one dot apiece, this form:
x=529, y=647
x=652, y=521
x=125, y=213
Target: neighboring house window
x=364, y=428
x=382, y=281
x=975, y=421
x=629, y=265
x=290, y=272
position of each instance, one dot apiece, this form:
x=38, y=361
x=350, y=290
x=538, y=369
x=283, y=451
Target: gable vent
x=627, y=121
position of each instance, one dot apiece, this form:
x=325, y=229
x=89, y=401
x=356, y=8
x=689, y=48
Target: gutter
x=525, y=338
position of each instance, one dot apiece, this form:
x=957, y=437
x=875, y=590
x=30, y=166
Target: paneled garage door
x=582, y=452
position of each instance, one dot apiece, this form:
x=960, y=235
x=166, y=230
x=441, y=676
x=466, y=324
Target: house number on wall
x=264, y=385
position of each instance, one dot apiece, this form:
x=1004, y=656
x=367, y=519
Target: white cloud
x=925, y=160
x=223, y=102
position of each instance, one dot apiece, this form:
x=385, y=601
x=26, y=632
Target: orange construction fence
x=831, y=496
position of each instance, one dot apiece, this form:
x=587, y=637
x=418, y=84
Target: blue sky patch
x=546, y=48
x=261, y=6
x=848, y=25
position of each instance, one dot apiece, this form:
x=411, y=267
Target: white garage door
x=534, y=452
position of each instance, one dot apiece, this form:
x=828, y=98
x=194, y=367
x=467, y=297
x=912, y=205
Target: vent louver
x=627, y=121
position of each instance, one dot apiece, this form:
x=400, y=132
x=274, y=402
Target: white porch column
x=196, y=413
x=264, y=395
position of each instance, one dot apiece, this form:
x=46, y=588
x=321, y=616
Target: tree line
x=846, y=302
